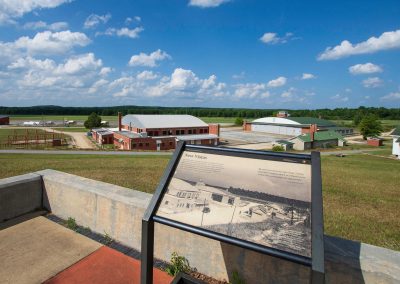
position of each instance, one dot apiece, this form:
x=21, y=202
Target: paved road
x=85, y=152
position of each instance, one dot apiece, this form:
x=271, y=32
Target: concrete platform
x=39, y=250
x=36, y=250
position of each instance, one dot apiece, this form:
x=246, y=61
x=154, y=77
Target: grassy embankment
x=361, y=193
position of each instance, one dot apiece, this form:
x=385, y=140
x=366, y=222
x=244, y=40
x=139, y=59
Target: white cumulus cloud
x=207, y=3
x=40, y=25
x=395, y=96
x=48, y=42
x=251, y=90
x=387, y=40
x=372, y=82
x=122, y=32
x=149, y=60
x=146, y=75
x=278, y=82
x=307, y=76
x=13, y=9
x=94, y=20
x=366, y=68
x=273, y=38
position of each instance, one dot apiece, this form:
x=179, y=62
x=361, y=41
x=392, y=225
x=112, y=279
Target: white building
x=396, y=142
x=293, y=126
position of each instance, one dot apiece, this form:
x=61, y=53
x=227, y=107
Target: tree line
x=333, y=114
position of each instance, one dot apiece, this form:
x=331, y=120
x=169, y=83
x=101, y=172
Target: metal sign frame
x=315, y=262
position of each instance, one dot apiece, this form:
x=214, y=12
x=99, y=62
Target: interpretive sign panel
x=262, y=201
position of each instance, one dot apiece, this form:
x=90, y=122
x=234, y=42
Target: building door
x=158, y=145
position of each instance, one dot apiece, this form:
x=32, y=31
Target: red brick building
x=374, y=141
x=4, y=120
x=103, y=136
x=162, y=132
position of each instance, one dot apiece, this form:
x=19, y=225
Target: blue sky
x=213, y=53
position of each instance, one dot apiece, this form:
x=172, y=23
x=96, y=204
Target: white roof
x=162, y=121
x=277, y=120
x=197, y=137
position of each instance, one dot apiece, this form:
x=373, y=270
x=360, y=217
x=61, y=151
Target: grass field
x=387, y=124
x=361, y=199
x=19, y=118
x=5, y=132
x=361, y=192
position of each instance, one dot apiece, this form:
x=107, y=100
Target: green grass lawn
x=361, y=192
x=361, y=199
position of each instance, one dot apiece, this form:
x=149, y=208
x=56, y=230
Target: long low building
x=4, y=120
x=293, y=126
x=162, y=132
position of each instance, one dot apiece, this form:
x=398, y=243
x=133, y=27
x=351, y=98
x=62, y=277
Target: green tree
x=278, y=148
x=370, y=126
x=239, y=121
x=94, y=120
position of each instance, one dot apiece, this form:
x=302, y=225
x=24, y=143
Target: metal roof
x=128, y=134
x=321, y=136
x=294, y=121
x=162, y=121
x=3, y=116
x=284, y=142
x=196, y=137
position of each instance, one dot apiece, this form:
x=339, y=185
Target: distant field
x=361, y=192
x=57, y=117
x=20, y=118
x=387, y=124
x=5, y=132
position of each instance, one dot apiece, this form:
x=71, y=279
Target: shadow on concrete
x=342, y=264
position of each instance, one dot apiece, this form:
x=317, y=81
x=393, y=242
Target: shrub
x=239, y=121
x=278, y=148
x=178, y=264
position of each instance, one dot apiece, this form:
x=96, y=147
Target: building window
x=189, y=195
x=183, y=194
x=231, y=200
x=155, y=133
x=170, y=132
x=216, y=197
x=201, y=131
x=170, y=143
x=147, y=144
x=133, y=145
x=206, y=130
x=187, y=205
x=190, y=131
x=164, y=133
x=194, y=131
x=166, y=202
x=140, y=144
x=163, y=144
x=150, y=133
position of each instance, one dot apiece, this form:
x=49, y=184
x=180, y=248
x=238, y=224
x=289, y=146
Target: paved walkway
x=73, y=152
x=41, y=251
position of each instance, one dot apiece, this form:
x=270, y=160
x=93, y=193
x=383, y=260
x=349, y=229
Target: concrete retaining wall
x=118, y=211
x=20, y=195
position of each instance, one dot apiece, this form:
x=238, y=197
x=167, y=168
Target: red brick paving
x=106, y=265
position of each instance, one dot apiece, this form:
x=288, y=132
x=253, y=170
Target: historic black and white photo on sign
x=262, y=201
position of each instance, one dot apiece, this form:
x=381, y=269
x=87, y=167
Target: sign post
x=263, y=201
